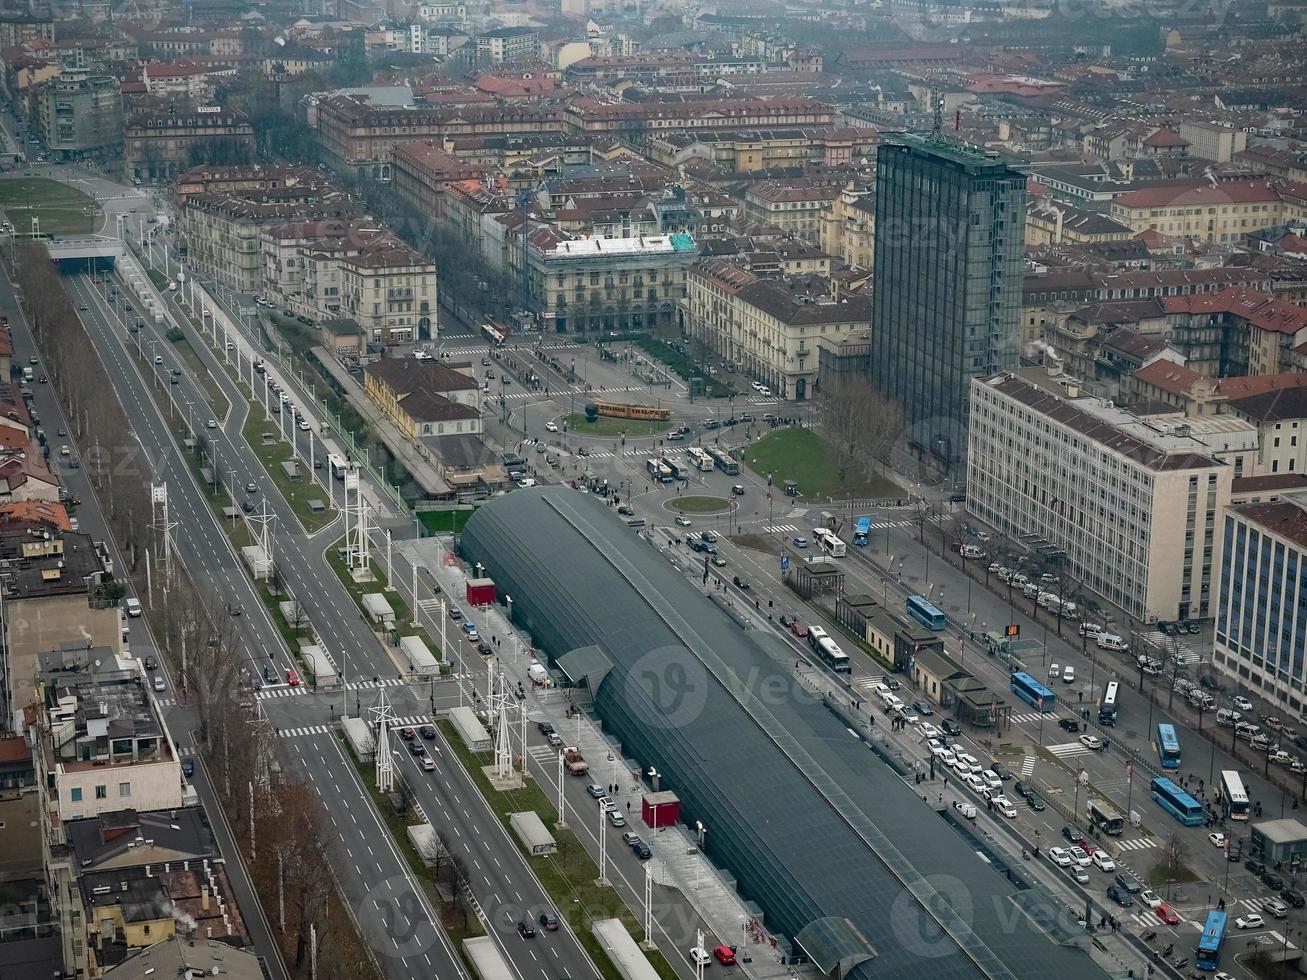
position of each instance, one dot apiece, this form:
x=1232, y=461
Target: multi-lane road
x=383, y=894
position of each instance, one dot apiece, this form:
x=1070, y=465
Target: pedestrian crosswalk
x=1136, y=844
x=780, y=528
x=1068, y=750
x=1027, y=717
x=881, y=525
x=306, y=730
x=1027, y=767
x=282, y=691
x=372, y=685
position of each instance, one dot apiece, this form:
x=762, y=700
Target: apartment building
x=160, y=145
x=848, y=228
x=1056, y=224
x=749, y=151
x=588, y=284
x=591, y=115
x=81, y=115
x=390, y=291
x=1130, y=508
x=422, y=170
x=52, y=576
x=100, y=746
x=1213, y=141
x=795, y=207
x=301, y=262
x=771, y=328
x=224, y=232
x=507, y=44
x=1211, y=212
x=1237, y=331
x=358, y=137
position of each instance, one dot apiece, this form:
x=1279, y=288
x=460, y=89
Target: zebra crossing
x=480, y=349
x=408, y=721
x=780, y=528
x=286, y=691
x=882, y=525
x=1173, y=645
x=1136, y=844
x=1068, y=750
x=1027, y=767
x=1027, y=717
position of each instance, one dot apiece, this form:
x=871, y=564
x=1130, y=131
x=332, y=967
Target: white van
x=133, y=607
x=1068, y=674
x=972, y=551
x=1110, y=641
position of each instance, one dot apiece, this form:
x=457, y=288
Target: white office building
x=1129, y=506
x=1261, y=611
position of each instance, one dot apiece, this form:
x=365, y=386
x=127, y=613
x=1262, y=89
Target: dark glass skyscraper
x=950, y=224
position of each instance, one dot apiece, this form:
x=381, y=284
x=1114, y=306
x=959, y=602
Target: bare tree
x=859, y=424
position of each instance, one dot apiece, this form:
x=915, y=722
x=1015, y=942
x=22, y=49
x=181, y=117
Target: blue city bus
x=1168, y=746
x=1177, y=802
x=1208, y=956
x=1032, y=692
x=862, y=532
x=924, y=612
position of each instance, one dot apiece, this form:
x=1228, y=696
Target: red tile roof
x=1256, y=308
x=1202, y=192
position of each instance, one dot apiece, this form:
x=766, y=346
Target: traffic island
x=699, y=505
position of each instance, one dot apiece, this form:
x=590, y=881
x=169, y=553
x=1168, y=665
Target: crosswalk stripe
x=1026, y=717
x=1067, y=750
x=301, y=732
x=774, y=528
x=1028, y=767
x=1137, y=844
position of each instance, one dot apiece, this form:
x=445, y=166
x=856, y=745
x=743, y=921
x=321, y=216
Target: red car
x=292, y=678
x=407, y=734
x=798, y=628
x=1088, y=847
x=1167, y=914
x=725, y=955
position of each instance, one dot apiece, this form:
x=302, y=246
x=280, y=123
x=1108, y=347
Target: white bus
x=832, y=656
x=829, y=542
x=700, y=459
x=1107, y=707
x=1234, y=798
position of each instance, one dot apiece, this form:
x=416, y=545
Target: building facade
x=1130, y=508
x=948, y=272
x=390, y=291
x=1260, y=639
x=160, y=145
x=771, y=329
x=82, y=115
x=584, y=284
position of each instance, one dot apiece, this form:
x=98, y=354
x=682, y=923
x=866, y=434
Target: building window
x=75, y=794
x=102, y=792
x=124, y=790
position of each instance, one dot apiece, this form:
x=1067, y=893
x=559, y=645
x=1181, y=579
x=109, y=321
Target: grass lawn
x=799, y=454
x=568, y=876
x=699, y=505
x=217, y=400
x=444, y=521
x=298, y=492
x=684, y=366
x=579, y=425
x=60, y=209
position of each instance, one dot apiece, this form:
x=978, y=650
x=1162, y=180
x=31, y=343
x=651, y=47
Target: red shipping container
x=661, y=809
x=480, y=591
